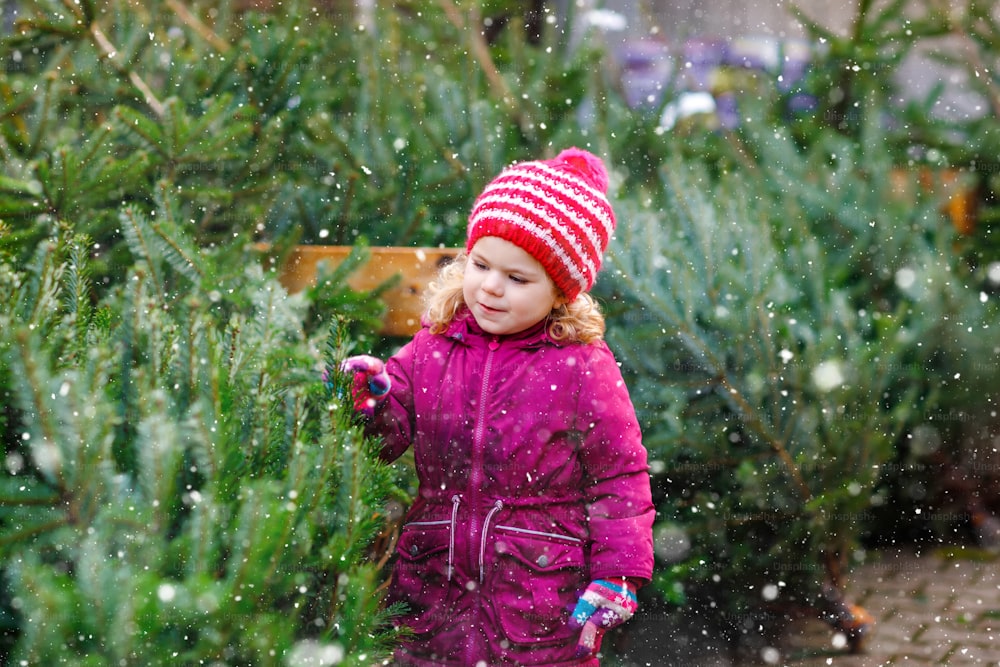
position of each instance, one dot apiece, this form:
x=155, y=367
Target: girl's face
x=506, y=289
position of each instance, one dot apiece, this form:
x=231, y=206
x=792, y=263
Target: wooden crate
x=404, y=302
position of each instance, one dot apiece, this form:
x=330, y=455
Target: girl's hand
x=371, y=382
x=605, y=604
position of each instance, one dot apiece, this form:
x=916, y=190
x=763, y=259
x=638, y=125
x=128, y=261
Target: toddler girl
x=532, y=527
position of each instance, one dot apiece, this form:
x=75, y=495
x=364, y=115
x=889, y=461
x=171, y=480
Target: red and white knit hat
x=556, y=210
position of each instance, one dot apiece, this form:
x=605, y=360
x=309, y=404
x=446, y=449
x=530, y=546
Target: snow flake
x=312, y=653
x=605, y=19
x=166, y=592
x=905, y=278
x=993, y=273
x=48, y=458
x=770, y=655
x=828, y=375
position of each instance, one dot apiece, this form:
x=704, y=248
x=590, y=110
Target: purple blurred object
x=797, y=56
x=647, y=66
x=702, y=58
x=727, y=110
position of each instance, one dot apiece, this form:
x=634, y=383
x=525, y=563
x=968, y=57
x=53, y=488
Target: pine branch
x=40, y=133
x=470, y=24
x=78, y=294
x=26, y=534
x=45, y=429
x=143, y=127
x=202, y=30
x=181, y=256
x=16, y=493
x=979, y=67
x=110, y=53
x=139, y=237
x=38, y=301
x=777, y=445
x=159, y=456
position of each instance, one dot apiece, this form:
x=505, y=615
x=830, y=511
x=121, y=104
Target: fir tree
x=180, y=486
x=779, y=353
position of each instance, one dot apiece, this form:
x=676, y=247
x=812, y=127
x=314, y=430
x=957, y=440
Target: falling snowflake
x=828, y=376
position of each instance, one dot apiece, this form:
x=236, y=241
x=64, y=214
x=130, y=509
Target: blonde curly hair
x=579, y=321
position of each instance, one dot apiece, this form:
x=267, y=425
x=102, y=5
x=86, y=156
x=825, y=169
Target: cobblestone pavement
x=937, y=608
x=934, y=608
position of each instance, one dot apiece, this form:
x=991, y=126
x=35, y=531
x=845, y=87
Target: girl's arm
x=393, y=418
x=620, y=506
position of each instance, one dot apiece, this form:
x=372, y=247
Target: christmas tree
x=180, y=485
x=781, y=340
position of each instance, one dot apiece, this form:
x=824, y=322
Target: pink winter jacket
x=532, y=482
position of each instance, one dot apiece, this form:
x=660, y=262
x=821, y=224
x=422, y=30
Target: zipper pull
x=497, y=506
x=455, y=500
x=494, y=343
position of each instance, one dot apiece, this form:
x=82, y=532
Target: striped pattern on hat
x=556, y=210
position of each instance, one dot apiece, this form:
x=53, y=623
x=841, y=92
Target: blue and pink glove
x=605, y=604
x=371, y=382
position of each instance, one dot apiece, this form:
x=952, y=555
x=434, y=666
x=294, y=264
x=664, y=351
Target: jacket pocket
x=421, y=575
x=538, y=577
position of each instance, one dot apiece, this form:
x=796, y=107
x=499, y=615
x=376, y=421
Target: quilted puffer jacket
x=533, y=481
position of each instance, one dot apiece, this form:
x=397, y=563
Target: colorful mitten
x=371, y=382
x=604, y=605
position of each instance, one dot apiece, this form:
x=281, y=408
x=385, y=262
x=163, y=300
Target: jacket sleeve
x=619, y=501
x=394, y=418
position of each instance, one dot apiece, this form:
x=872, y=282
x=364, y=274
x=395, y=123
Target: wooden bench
x=404, y=302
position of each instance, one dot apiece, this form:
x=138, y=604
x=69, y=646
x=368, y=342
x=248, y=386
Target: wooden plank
x=404, y=302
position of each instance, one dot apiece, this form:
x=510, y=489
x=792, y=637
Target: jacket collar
x=465, y=329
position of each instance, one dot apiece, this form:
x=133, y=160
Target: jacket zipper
x=455, y=499
x=497, y=506
x=452, y=524
x=443, y=522
x=476, y=474
x=539, y=533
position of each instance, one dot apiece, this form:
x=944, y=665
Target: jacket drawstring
x=455, y=500
x=497, y=506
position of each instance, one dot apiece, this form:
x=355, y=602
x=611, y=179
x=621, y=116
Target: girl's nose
x=493, y=283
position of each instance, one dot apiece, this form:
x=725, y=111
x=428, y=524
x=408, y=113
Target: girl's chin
x=489, y=322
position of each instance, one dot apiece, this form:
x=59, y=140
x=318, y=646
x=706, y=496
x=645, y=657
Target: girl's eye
x=518, y=279
x=479, y=265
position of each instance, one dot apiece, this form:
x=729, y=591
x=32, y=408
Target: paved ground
x=934, y=608
x=940, y=608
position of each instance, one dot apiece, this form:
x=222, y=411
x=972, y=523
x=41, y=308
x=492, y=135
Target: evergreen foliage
x=855, y=81
x=785, y=328
x=301, y=123
x=180, y=487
